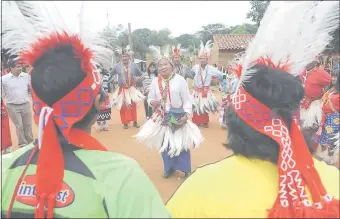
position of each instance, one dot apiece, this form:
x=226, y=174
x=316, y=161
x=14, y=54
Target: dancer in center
x=126, y=97
x=204, y=100
x=169, y=129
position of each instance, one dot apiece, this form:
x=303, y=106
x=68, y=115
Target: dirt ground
x=121, y=141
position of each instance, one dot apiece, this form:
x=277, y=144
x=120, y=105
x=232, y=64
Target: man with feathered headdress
x=272, y=173
x=169, y=129
x=202, y=74
x=127, y=95
x=179, y=67
x=66, y=173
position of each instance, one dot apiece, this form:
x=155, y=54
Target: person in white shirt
x=169, y=129
x=16, y=94
x=204, y=100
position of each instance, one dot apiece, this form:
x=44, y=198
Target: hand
x=182, y=121
x=155, y=103
x=140, y=79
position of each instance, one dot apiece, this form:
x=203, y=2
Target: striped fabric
x=147, y=82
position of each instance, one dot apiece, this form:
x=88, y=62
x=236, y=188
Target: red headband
x=66, y=112
x=295, y=164
x=176, y=52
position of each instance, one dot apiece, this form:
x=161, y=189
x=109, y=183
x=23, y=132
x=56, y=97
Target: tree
x=164, y=37
x=257, y=10
x=251, y=28
x=244, y=29
x=141, y=43
x=187, y=40
x=206, y=33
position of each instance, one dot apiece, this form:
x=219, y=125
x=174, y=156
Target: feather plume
x=205, y=49
x=24, y=22
x=166, y=51
x=155, y=52
x=17, y=26
x=158, y=54
x=100, y=47
x=293, y=32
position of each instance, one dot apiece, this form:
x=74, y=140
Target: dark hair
x=154, y=65
x=56, y=74
x=335, y=72
x=312, y=65
x=278, y=90
x=11, y=62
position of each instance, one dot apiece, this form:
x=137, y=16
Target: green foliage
x=206, y=33
x=187, y=40
x=244, y=29
x=144, y=37
x=257, y=10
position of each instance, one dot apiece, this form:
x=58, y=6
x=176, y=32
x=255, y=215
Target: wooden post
x=130, y=37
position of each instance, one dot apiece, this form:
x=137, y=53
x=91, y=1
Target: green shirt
x=97, y=184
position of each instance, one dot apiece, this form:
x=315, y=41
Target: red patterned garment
x=6, y=141
x=315, y=81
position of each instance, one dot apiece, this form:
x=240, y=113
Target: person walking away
x=127, y=96
x=16, y=94
x=67, y=173
x=204, y=100
x=169, y=129
x=105, y=108
x=151, y=74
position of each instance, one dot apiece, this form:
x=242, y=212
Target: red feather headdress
x=176, y=51
x=289, y=43
x=64, y=113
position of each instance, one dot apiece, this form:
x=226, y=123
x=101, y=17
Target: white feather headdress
x=127, y=50
x=205, y=49
x=158, y=54
x=292, y=32
x=176, y=50
x=24, y=22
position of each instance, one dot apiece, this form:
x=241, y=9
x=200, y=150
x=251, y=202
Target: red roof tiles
x=232, y=41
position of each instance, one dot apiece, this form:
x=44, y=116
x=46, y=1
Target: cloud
x=178, y=16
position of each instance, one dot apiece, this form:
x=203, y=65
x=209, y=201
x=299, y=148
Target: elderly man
x=16, y=94
x=204, y=100
x=126, y=97
x=179, y=67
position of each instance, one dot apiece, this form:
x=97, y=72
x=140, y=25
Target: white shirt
x=208, y=72
x=14, y=89
x=179, y=93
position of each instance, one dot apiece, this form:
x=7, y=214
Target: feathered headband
x=36, y=30
x=205, y=49
x=124, y=51
x=176, y=50
x=158, y=55
x=289, y=43
x=235, y=65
